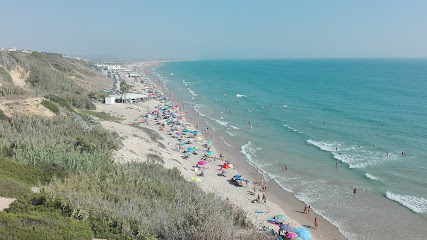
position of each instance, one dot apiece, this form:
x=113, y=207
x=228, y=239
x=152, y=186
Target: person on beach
x=316, y=223
x=336, y=164
x=386, y=153
x=283, y=167
x=255, y=190
x=354, y=191
x=286, y=167
x=305, y=209
x=264, y=199
x=309, y=210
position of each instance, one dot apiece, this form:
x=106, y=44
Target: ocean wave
x=230, y=133
x=354, y=156
x=223, y=123
x=233, y=127
x=370, y=176
x=192, y=92
x=248, y=151
x=292, y=129
x=416, y=204
x=239, y=95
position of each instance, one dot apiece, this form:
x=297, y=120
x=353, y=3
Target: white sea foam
x=354, y=156
x=416, y=204
x=292, y=129
x=248, y=151
x=239, y=95
x=223, y=123
x=370, y=176
x=192, y=92
x=230, y=133
x=233, y=127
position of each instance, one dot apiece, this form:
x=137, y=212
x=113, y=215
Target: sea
x=368, y=116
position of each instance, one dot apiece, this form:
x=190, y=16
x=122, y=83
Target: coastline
x=284, y=199
x=279, y=200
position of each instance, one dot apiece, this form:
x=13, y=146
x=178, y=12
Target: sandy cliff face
x=31, y=106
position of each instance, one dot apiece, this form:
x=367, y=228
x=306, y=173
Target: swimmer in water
x=375, y=145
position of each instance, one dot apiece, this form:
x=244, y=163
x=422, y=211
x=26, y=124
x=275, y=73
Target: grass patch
x=147, y=200
x=51, y=106
x=37, y=218
x=16, y=179
x=154, y=136
x=60, y=141
x=101, y=115
x=2, y=115
x=4, y=76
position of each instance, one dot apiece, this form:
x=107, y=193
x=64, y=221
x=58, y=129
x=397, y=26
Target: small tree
x=125, y=89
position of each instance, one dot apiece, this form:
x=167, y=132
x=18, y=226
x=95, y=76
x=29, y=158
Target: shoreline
x=292, y=206
x=279, y=200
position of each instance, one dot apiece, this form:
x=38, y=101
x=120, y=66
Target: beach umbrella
x=201, y=163
x=183, y=143
x=281, y=217
x=196, y=179
x=178, y=133
x=209, y=142
x=209, y=152
x=187, y=130
x=286, y=228
x=190, y=149
x=303, y=233
x=196, y=132
x=291, y=235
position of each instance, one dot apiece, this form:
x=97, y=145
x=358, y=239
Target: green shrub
x=4, y=76
x=59, y=100
x=36, y=140
x=12, y=188
x=35, y=217
x=147, y=200
x=51, y=106
x=8, y=89
x=2, y=115
x=101, y=115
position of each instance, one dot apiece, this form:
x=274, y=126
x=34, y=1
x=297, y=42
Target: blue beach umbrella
x=183, y=143
x=303, y=233
x=187, y=131
x=210, y=152
x=209, y=142
x=196, y=132
x=190, y=149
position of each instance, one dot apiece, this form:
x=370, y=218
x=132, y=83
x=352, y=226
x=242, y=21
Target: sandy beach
x=151, y=137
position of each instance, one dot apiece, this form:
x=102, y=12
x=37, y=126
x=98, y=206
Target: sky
x=220, y=29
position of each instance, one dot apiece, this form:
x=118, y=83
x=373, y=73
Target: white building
x=110, y=100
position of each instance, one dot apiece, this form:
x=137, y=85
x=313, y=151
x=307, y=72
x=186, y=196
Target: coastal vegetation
x=61, y=171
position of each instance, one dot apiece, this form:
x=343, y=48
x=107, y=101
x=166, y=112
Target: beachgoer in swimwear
x=354, y=191
x=316, y=223
x=305, y=209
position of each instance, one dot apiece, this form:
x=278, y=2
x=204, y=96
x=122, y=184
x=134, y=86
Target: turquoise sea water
x=313, y=113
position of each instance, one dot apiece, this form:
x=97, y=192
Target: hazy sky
x=218, y=28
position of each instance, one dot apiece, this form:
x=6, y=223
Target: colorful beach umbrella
x=303, y=233
x=209, y=152
x=190, y=149
x=196, y=132
x=281, y=217
x=291, y=235
x=209, y=142
x=201, y=163
x=286, y=228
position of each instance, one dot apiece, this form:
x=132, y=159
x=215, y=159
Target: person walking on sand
x=316, y=223
x=305, y=209
x=309, y=210
x=354, y=191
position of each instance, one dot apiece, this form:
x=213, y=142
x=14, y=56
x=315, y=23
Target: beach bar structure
x=110, y=100
x=128, y=97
